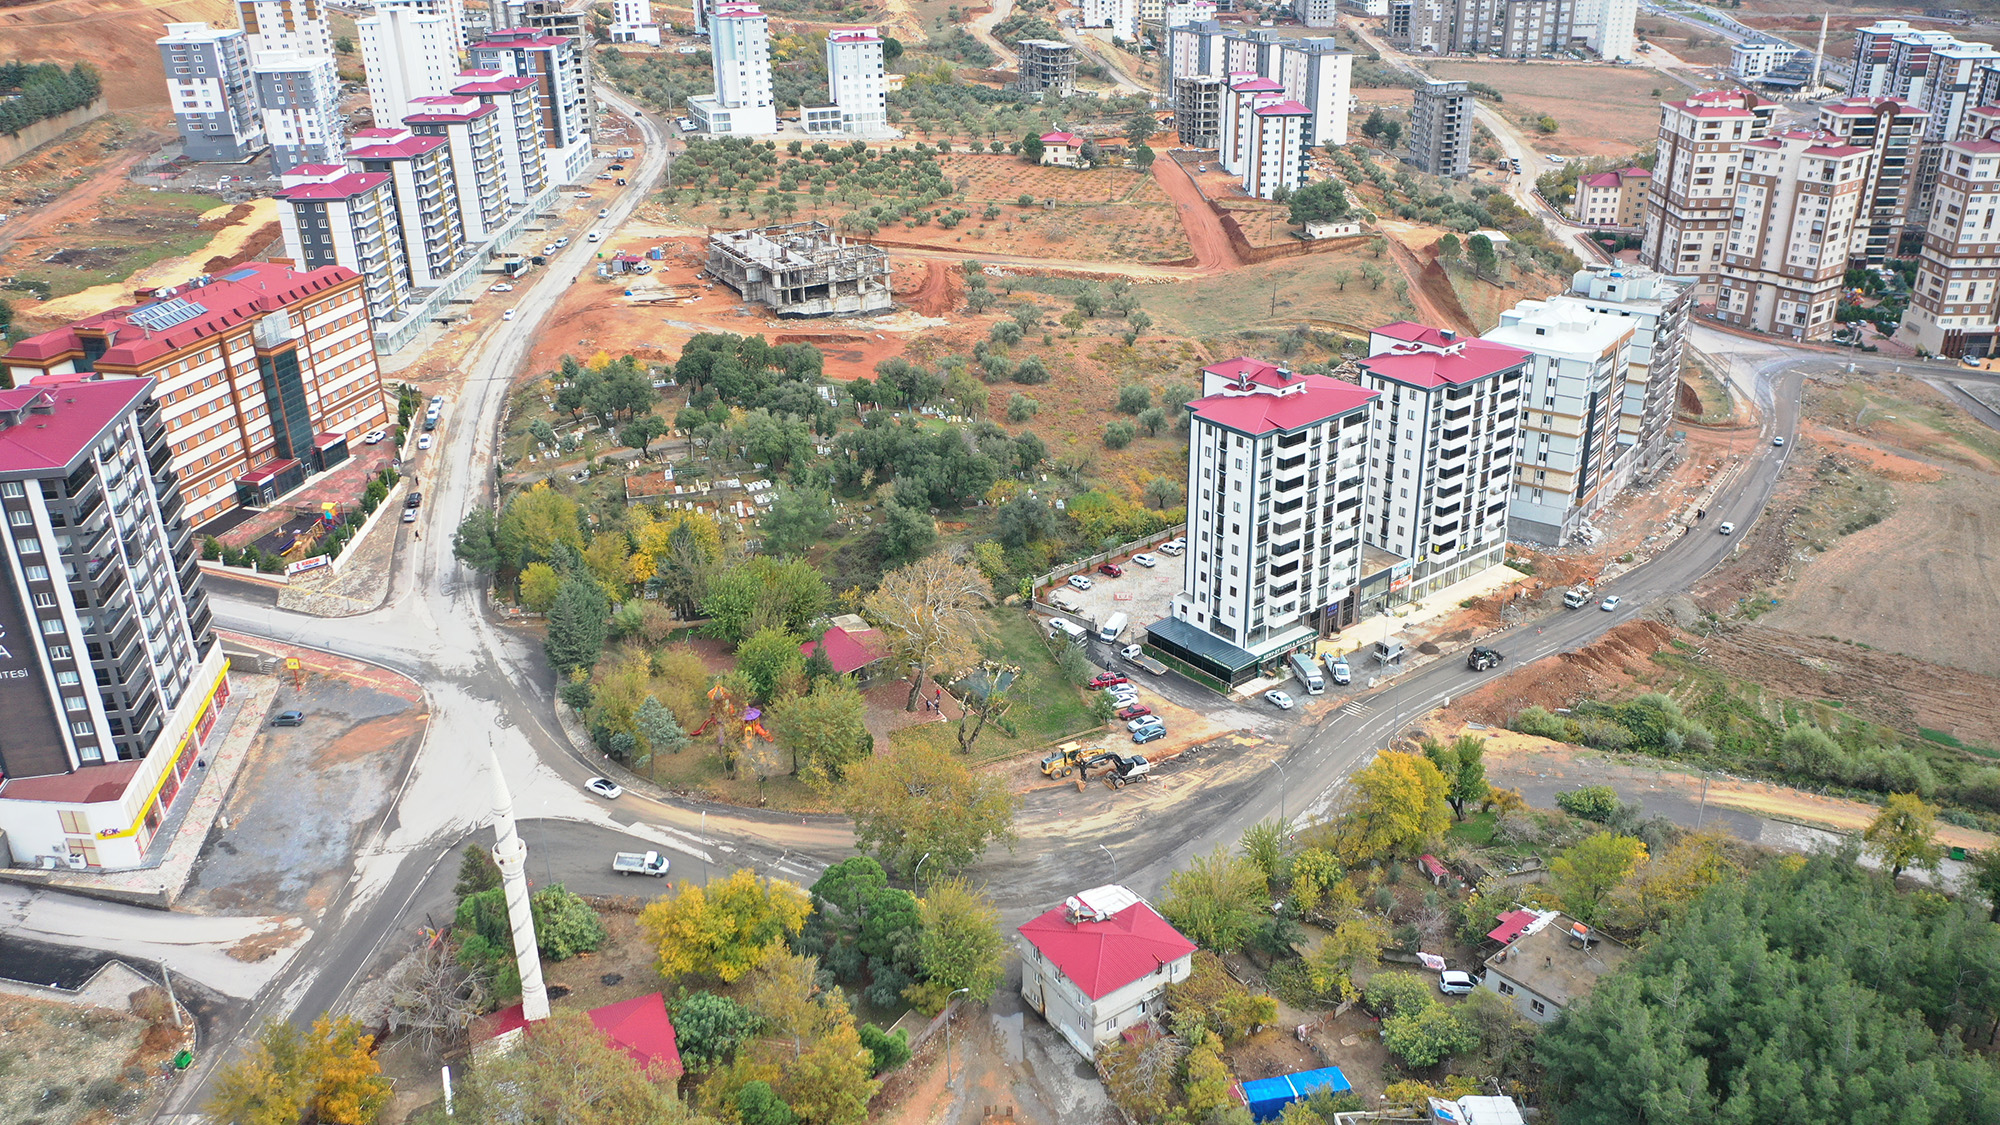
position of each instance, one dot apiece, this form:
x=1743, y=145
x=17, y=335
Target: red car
x=1107, y=679
x=1137, y=710
x=1111, y=570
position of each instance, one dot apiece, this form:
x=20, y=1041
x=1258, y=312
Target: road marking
x=1356, y=708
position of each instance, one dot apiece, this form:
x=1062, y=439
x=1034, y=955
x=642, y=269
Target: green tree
x=568, y=1072
x=889, y=1051
x=1031, y=148
x=1143, y=157
x=1585, y=874
x=565, y=925
x=908, y=531
x=826, y=730
x=576, y=625
x=920, y=799
x=1119, y=434
x=1983, y=879
x=655, y=722
x=961, y=945
x=1161, y=491
x=1461, y=762
x=1399, y=994
x=1208, y=1081
x=1484, y=258
x=1268, y=844
x=642, y=432
x=474, y=545
x=1133, y=398
x=1904, y=834
x=1218, y=900
x=539, y=586
x=1021, y=408
x=769, y=658
x=764, y=591
x=757, y=1104
x=1392, y=132
x=1322, y=202
x=722, y=930
x=476, y=872
x=1427, y=1037
x=709, y=1028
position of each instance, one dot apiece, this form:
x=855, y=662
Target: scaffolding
x=1047, y=65
x=801, y=269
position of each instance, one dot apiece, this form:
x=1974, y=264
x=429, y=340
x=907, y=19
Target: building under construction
x=1198, y=110
x=801, y=269
x=1047, y=65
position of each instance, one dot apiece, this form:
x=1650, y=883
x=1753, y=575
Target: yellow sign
x=292, y=663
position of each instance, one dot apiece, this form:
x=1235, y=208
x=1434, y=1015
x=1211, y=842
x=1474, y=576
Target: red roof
x=1512, y=925
x=1254, y=85
x=1269, y=412
x=91, y=785
x=1431, y=866
x=78, y=414
x=1243, y=369
x=481, y=83
x=317, y=169
x=346, y=187
x=1284, y=109
x=401, y=150
x=847, y=652
x=1102, y=957
x=638, y=1026
x=1601, y=179
x=1428, y=359
x=1061, y=139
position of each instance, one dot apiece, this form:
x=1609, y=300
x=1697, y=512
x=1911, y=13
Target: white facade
x=1656, y=306
x=285, y=25
x=299, y=98
x=471, y=129
x=1239, y=119
x=1315, y=72
x=333, y=217
x=1750, y=61
x=1179, y=13
x=211, y=91
x=1568, y=461
x=452, y=12
x=1694, y=182
x=408, y=55
x=856, y=79
x=743, y=103
x=1275, y=152
x=1955, y=308
x=1606, y=26
x=1798, y=197
x=632, y=22
x=522, y=158
x=1121, y=16
x=1125, y=962
x=421, y=175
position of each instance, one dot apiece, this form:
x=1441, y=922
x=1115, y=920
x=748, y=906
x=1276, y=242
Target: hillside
x=116, y=36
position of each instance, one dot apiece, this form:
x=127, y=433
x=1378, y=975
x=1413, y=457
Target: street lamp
x=918, y=871
x=947, y=1033
x=1284, y=783
x=1113, y=859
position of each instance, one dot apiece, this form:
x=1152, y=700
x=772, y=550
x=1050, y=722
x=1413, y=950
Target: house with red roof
x=1613, y=199
x=1100, y=963
x=639, y=1027
x=1065, y=150
x=1549, y=962
x=852, y=651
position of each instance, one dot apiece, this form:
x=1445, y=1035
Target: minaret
x=511, y=855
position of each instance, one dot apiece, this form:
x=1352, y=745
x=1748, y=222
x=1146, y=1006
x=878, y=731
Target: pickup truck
x=1136, y=655
x=639, y=863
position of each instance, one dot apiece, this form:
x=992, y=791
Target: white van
x=1064, y=627
x=1113, y=625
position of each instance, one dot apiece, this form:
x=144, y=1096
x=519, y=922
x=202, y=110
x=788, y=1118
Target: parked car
x=437, y=400
x=1149, y=734
x=1278, y=699
x=1136, y=711
x=1145, y=560
x=374, y=437
x=562, y=242
x=1111, y=570
x=550, y=248
x=409, y=515
x=508, y=315
x=1080, y=582
x=1107, y=679
x=1727, y=528
x=1451, y=982
x=604, y=212
x=1174, y=547
x=1124, y=695
x=1144, y=721
x=603, y=787
x=423, y=441
x=414, y=500
x=1609, y=604
x=617, y=167
x=289, y=719
x=503, y=287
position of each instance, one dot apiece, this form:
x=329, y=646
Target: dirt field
x=138, y=239
x=115, y=35
x=1672, y=35
x=1280, y=294
x=1602, y=110
x=67, y=1065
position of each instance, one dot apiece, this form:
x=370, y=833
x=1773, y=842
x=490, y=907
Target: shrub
x=1592, y=802
x=1604, y=734
x=1119, y=434
x=1397, y=994
x=890, y=1051
x=1543, y=723
x=1020, y=407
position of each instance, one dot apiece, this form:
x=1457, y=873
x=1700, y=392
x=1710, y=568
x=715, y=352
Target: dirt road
x=80, y=200
x=1213, y=252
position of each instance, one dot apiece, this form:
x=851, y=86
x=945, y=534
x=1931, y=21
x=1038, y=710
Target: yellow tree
x=328, y=1075
x=809, y=1050
x=1586, y=873
x=1208, y=1080
x=652, y=536
x=1904, y=834
x=539, y=584
x=1355, y=944
x=726, y=929
x=930, y=613
x=540, y=518
x=1662, y=884
x=1396, y=808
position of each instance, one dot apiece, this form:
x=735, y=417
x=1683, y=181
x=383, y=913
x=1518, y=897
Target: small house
x=852, y=652
x=1435, y=870
x=1100, y=963
x=1550, y=962
x=1064, y=150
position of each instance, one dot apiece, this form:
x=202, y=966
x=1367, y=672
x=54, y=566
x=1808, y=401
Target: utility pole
x=167, y=978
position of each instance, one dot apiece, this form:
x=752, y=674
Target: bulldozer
x=1067, y=759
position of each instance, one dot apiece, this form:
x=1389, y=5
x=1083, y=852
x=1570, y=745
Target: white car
x=562, y=242
x=604, y=212
x=508, y=315
x=603, y=787
x=374, y=437
x=1451, y=982
x=1278, y=699
x=1174, y=547
x=1124, y=693
x=437, y=400
x=1131, y=652
x=550, y=248
x=503, y=287
x=1611, y=603
x=409, y=515
x=1145, y=721
x=1145, y=560
x=1727, y=528
x=1778, y=441
x=593, y=236
x=1079, y=582
x=423, y=441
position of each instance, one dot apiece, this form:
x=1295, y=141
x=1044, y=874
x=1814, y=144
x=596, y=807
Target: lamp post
x=916, y=872
x=1284, y=783
x=947, y=1032
x=1113, y=859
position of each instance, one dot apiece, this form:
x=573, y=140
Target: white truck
x=1064, y=627
x=1576, y=597
x=1113, y=626
x=1308, y=673
x=639, y=863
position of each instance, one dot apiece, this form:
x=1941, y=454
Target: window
x=75, y=703
x=37, y=573
x=30, y=546
x=11, y=489
x=52, y=626
x=1506, y=989
x=1538, y=1007
x=82, y=727
x=58, y=652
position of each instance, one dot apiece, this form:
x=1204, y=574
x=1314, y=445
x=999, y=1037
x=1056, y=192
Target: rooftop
x=639, y=1027
x=1284, y=109
x=398, y=150
x=342, y=187
x=1105, y=938
x=854, y=35
x=91, y=785
x=46, y=429
x=848, y=652
x=1562, y=329
x=491, y=82
x=1556, y=963
x=1421, y=356
x=1263, y=410
x=1256, y=85
x=1061, y=139
x=521, y=37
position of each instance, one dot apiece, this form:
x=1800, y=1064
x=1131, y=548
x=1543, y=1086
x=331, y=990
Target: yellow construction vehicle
x=1067, y=758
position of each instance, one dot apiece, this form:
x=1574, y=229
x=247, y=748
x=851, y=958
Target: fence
x=32, y=137
x=1078, y=567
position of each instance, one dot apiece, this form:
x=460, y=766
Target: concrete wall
x=48, y=129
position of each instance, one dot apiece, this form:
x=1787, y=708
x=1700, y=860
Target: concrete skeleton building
x=743, y=104
x=1315, y=72
x=1047, y=66
x=1693, y=195
x=1197, y=102
x=1567, y=463
x=110, y=675
x=260, y=375
x=1955, y=307
x=1318, y=13
x=1892, y=131
x=1657, y=308
x=1441, y=128
x=801, y=269
x=212, y=92
x=563, y=102
x=1799, y=195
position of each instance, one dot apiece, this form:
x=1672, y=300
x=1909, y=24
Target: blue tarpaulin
x=1268, y=1097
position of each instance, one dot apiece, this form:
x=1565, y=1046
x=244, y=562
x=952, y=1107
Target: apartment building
x=522, y=163
x=743, y=104
x=261, y=375
x=1317, y=13
x=298, y=96
x=1613, y=199
x=334, y=217
x=1047, y=66
x=472, y=132
x=1952, y=86
x=1441, y=128
x=1247, y=93
x=1891, y=131
x=1277, y=477
x=1608, y=27
x=1441, y=452
x=425, y=187
x=1874, y=58
x=562, y=100
x=1275, y=149
x=408, y=53
x=110, y=675
x=1656, y=306
x=1179, y=13
x=1694, y=182
x=1121, y=17
x=1568, y=459
x=1799, y=195
x=1315, y=72
x=856, y=80
x=1753, y=60
x=1515, y=28
x=285, y=25
x=1955, y=309
x=565, y=19
x=212, y=92
x=632, y=22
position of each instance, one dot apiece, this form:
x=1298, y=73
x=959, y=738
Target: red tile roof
x=1244, y=369
x=79, y=413
x=401, y=150
x=1284, y=109
x=1428, y=359
x=1268, y=412
x=1061, y=139
x=1256, y=85
x=1601, y=179
x=481, y=84
x=346, y=187
x=638, y=1026
x=847, y=652
x=1513, y=924
x=1102, y=957
x=91, y=785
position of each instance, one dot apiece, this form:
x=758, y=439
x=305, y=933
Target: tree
x=642, y=431
x=1592, y=802
x=327, y=1075
x=889, y=1051
x=757, y=1104
x=473, y=544
x=1397, y=806
x=725, y=929
x=1206, y=1088
x=809, y=1050
x=1449, y=248
x=1392, y=131
x=921, y=799
x=576, y=625
x=908, y=531
x=1463, y=768
x=929, y=611
x=1161, y=491
x=1484, y=258
x=1983, y=879
x=1372, y=127
x=1031, y=148
x=1427, y=1037
x=565, y=925
x=1133, y=398
x=1904, y=834
x=655, y=722
x=1119, y=434
x=535, y=523
x=565, y=1072
x=961, y=946
x=1323, y=202
x=709, y=1028
x=1586, y=873
x=764, y=591
x=826, y=730
x=1355, y=944
x=476, y=872
x=769, y=658
x=1218, y=900
x=987, y=700
x=1665, y=882
x=539, y=586
x=1023, y=520
x=432, y=998
x=1143, y=157
x=1139, y=1073
x=1268, y=844
x=1210, y=1000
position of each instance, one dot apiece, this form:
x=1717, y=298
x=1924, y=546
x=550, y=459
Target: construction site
x=801, y=269
x=1047, y=65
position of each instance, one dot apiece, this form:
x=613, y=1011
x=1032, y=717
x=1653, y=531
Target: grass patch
x=1940, y=737
x=698, y=769
x=1716, y=406
x=1476, y=830
x=1283, y=293
x=132, y=231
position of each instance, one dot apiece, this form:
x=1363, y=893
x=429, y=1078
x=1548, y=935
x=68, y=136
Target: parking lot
x=1142, y=594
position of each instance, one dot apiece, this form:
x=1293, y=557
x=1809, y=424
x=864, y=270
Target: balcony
x=1291, y=462
x=1285, y=506
x=1292, y=484
x=1284, y=548
x=99, y=583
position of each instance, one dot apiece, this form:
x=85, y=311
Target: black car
x=289, y=719
x=414, y=500
x=617, y=167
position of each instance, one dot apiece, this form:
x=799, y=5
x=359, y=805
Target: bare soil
x=1600, y=110
x=117, y=36
x=66, y=1065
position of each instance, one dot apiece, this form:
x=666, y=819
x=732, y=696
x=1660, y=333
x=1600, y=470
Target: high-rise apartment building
x=1179, y=13
x=299, y=97
x=261, y=375
x=110, y=675
x=425, y=186
x=1613, y=199
x=522, y=162
x=409, y=53
x=452, y=12
x=1568, y=457
x=1608, y=27
x=1656, y=306
x=1441, y=450
x=1955, y=308
x=285, y=25
x=1515, y=28
x=1275, y=158
x=1874, y=47
x=1317, y=13
x=565, y=19
x=1048, y=66
x=1120, y=16
x=856, y=79
x=472, y=131
x=1952, y=86
x=334, y=217
x=1315, y=72
x=1799, y=195
x=1277, y=473
x=1694, y=182
x=212, y=92
x=1247, y=92
x=562, y=102
x=743, y=104
x=1441, y=128
x=1891, y=131
x=632, y=22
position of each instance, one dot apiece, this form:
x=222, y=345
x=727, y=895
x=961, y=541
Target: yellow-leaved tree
x=1397, y=807
x=327, y=1075
x=1586, y=873
x=725, y=929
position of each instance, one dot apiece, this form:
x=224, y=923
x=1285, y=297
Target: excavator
x=1123, y=769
